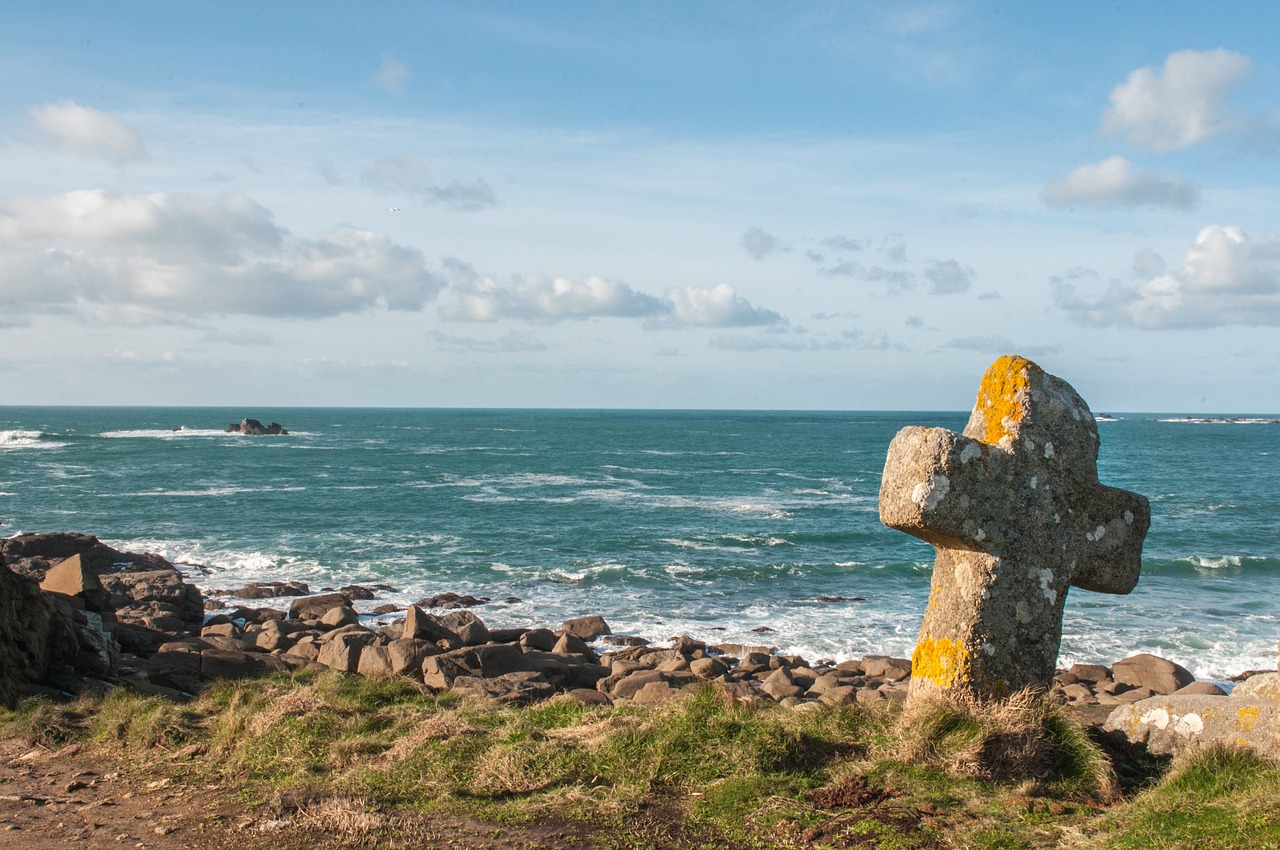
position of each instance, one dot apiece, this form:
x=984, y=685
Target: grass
x=350, y=754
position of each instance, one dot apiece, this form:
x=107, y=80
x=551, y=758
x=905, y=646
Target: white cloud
x=166, y=256
x=1226, y=278
x=718, y=307
x=759, y=244
x=391, y=75
x=947, y=277
x=1179, y=105
x=1115, y=182
x=539, y=298
x=86, y=131
x=408, y=175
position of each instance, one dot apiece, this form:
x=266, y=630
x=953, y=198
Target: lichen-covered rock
x=1016, y=514
x=1170, y=724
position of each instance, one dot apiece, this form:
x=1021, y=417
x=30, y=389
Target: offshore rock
x=1016, y=515
x=255, y=428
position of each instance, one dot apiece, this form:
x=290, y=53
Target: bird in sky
x=393, y=209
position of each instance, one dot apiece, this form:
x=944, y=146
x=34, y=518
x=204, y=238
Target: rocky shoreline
x=82, y=615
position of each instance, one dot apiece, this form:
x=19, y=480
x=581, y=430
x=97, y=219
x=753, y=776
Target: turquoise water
x=709, y=523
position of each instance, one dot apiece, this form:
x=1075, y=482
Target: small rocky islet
x=82, y=615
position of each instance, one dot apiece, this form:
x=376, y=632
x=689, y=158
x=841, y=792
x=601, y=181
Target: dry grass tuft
x=343, y=816
x=294, y=703
x=1024, y=737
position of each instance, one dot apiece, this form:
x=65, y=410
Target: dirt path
x=58, y=800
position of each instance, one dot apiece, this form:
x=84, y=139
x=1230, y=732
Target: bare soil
x=53, y=800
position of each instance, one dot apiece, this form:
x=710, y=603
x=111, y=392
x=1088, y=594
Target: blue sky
x=739, y=205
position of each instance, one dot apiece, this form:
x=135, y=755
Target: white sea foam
x=165, y=433
x=1224, y=562
x=18, y=440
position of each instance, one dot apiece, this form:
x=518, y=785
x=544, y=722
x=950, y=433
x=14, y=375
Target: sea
x=756, y=528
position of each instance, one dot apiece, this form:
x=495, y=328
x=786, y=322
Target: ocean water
x=745, y=527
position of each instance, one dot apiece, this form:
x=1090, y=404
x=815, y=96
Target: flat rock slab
x=1170, y=724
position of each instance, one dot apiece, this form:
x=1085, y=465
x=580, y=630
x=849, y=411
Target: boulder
x=511, y=687
x=1160, y=675
x=467, y=626
x=1170, y=724
x=406, y=656
x=73, y=577
x=587, y=628
x=271, y=589
x=452, y=600
x=315, y=607
x=339, y=616
x=885, y=667
x=423, y=626
x=708, y=668
x=1265, y=686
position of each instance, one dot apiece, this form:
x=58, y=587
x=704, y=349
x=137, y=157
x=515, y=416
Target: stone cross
x=1016, y=515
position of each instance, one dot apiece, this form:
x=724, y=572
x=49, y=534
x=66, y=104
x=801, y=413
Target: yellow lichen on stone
x=943, y=662
x=1248, y=717
x=1003, y=395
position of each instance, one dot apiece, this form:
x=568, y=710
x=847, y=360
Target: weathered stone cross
x=1016, y=514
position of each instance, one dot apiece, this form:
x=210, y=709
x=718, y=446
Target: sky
x=742, y=205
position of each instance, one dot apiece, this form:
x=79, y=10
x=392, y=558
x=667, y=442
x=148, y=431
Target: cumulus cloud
x=718, y=307
x=1115, y=182
x=1179, y=105
x=86, y=131
x=539, y=298
x=947, y=277
x=391, y=75
x=166, y=256
x=1226, y=278
x=543, y=299
x=759, y=244
x=408, y=175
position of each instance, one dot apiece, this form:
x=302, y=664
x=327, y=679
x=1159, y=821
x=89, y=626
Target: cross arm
x=1112, y=555
x=945, y=488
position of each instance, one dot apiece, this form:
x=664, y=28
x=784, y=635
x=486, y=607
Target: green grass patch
x=700, y=771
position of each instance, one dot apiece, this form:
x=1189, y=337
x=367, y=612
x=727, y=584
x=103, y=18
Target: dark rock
x=254, y=428
x=271, y=589
x=356, y=591
x=315, y=607
x=452, y=600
